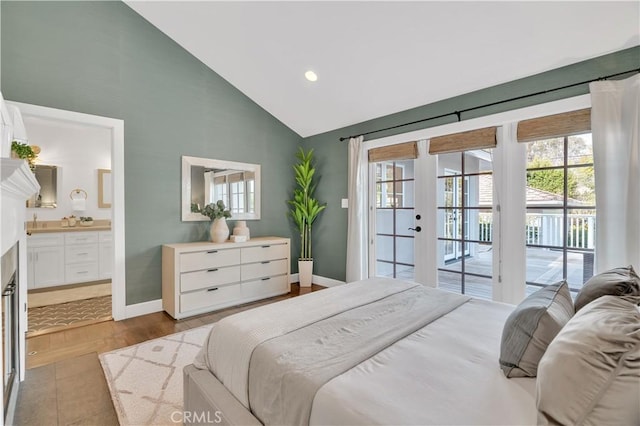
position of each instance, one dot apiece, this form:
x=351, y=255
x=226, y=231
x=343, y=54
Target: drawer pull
x=265, y=262
x=266, y=246
x=266, y=279
x=212, y=251
x=212, y=289
x=212, y=270
x=83, y=254
x=82, y=272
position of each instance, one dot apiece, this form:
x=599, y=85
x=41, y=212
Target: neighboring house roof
x=535, y=196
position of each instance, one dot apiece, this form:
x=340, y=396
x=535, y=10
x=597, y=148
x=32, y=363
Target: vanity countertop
x=47, y=226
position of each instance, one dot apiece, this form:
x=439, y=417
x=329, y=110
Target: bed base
x=208, y=402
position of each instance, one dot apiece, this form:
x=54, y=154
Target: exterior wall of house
x=332, y=155
x=102, y=58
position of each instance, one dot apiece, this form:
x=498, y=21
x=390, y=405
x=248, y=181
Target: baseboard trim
x=317, y=279
x=326, y=282
x=143, y=308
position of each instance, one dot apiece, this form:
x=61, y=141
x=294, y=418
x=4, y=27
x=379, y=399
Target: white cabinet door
x=48, y=266
x=106, y=260
x=30, y=268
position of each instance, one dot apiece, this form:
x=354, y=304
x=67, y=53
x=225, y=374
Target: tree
x=550, y=180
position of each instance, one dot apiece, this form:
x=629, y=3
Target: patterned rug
x=62, y=316
x=145, y=380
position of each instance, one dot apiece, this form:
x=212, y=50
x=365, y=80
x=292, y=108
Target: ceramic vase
x=219, y=231
x=241, y=229
x=305, y=272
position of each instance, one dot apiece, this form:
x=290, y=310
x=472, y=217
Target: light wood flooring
x=65, y=384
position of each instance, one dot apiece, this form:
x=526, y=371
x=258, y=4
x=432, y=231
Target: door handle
x=417, y=229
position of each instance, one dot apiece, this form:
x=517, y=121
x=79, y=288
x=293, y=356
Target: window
x=395, y=210
x=561, y=211
x=465, y=220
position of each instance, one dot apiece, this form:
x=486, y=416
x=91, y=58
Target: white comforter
x=445, y=373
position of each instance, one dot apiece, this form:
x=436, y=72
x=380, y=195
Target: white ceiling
x=377, y=58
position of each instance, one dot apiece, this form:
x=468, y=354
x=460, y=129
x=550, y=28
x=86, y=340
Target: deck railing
x=547, y=229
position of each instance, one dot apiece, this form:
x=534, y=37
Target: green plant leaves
x=304, y=207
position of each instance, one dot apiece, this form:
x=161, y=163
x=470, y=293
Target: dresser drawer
x=81, y=253
x=80, y=237
x=267, y=268
x=196, y=280
x=81, y=272
x=265, y=252
x=208, y=259
x=209, y=297
x=268, y=286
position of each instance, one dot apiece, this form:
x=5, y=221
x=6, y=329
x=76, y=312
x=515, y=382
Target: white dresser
x=202, y=277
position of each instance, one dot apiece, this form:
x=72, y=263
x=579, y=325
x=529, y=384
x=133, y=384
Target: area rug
x=145, y=380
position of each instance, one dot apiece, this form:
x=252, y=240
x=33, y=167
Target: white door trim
x=118, y=286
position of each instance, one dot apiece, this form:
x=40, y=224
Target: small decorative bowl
x=86, y=223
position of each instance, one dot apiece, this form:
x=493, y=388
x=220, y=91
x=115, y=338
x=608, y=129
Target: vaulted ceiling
x=378, y=58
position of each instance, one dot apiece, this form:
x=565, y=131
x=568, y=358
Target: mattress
x=443, y=372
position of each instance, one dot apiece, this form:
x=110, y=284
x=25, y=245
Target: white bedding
x=446, y=373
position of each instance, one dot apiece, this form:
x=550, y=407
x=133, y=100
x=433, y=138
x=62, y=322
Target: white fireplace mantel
x=17, y=178
x=17, y=184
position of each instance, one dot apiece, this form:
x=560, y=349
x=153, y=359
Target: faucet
x=35, y=219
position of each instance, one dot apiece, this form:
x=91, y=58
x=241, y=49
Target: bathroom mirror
x=104, y=188
x=47, y=177
x=206, y=181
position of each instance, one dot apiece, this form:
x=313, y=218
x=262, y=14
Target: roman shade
x=464, y=141
x=553, y=126
x=401, y=151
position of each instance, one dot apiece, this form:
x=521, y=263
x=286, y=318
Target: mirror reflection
x=47, y=177
x=206, y=181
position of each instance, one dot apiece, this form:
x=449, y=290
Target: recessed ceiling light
x=310, y=75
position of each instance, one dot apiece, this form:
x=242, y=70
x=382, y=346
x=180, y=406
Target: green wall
x=330, y=242
x=102, y=58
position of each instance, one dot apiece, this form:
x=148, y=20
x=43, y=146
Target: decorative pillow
x=615, y=282
x=590, y=373
x=531, y=327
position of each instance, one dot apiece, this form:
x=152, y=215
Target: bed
x=378, y=351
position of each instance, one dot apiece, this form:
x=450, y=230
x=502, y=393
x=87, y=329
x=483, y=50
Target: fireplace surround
x=17, y=184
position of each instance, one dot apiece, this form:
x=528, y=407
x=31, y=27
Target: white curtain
x=357, y=260
x=615, y=111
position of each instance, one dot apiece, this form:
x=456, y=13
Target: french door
x=454, y=222
x=395, y=218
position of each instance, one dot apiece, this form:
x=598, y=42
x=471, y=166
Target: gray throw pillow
x=614, y=282
x=590, y=373
x=531, y=327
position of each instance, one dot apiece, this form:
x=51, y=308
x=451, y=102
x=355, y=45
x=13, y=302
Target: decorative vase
x=305, y=272
x=219, y=230
x=241, y=229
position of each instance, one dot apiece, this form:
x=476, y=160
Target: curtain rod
x=460, y=112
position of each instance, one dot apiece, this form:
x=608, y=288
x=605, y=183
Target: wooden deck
x=543, y=266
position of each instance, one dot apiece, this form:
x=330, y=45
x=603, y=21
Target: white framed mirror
x=206, y=180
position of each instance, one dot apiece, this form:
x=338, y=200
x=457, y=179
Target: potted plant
x=25, y=152
x=304, y=210
x=86, y=221
x=218, y=213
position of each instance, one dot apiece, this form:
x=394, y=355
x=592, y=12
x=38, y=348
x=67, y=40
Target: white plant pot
x=305, y=272
x=219, y=230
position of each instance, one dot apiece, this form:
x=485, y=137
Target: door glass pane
x=450, y=281
x=545, y=227
x=581, y=229
x=404, y=250
x=480, y=259
x=579, y=268
x=384, y=221
x=582, y=186
x=544, y=266
x=384, y=269
x=405, y=219
x=479, y=287
x=384, y=248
